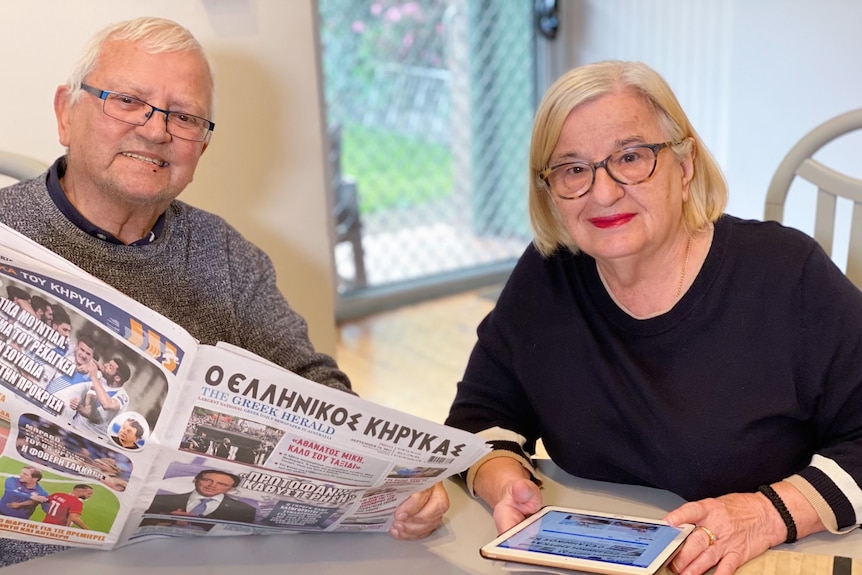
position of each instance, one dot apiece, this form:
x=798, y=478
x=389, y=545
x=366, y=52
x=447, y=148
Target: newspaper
x=117, y=426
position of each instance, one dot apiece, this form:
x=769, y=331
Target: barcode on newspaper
x=443, y=460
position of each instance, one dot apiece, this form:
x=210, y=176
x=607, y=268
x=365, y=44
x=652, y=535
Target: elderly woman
x=647, y=338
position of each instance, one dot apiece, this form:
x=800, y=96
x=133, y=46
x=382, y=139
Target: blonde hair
x=708, y=189
x=155, y=35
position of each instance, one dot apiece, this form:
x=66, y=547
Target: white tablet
x=589, y=541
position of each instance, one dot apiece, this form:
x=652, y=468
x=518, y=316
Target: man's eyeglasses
x=134, y=111
x=629, y=166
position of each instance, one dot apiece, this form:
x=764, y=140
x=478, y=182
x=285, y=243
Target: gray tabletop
x=451, y=550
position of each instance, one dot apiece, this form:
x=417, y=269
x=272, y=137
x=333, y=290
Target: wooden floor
x=412, y=358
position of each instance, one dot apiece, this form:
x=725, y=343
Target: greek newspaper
x=117, y=426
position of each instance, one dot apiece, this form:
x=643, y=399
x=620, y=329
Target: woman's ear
x=687, y=165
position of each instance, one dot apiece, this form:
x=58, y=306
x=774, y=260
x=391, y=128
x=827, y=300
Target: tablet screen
x=572, y=535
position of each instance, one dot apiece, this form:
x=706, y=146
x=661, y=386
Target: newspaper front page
x=116, y=426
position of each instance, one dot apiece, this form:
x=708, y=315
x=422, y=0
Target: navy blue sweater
x=754, y=375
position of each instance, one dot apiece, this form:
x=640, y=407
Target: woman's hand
x=742, y=528
x=744, y=525
x=420, y=514
x=505, y=485
x=522, y=499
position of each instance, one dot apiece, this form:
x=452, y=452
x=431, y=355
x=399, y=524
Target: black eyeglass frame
x=103, y=95
x=594, y=166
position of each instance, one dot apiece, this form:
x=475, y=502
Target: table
x=451, y=550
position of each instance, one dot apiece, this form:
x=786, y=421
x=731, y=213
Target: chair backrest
x=20, y=167
x=830, y=183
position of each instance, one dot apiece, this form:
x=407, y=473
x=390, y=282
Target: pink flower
x=376, y=8
x=393, y=14
x=358, y=26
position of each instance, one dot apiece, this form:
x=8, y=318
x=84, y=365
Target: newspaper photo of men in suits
x=209, y=499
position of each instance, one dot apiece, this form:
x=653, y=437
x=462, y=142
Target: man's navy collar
x=55, y=190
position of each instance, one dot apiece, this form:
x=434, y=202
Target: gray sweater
x=200, y=273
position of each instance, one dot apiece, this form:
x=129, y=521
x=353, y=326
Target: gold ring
x=709, y=534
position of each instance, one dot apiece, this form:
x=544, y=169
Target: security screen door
x=429, y=105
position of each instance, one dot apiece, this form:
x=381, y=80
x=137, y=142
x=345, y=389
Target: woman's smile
x=611, y=221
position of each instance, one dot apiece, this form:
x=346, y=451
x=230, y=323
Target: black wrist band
x=776, y=501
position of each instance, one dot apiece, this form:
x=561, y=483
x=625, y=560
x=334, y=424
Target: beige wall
x=264, y=169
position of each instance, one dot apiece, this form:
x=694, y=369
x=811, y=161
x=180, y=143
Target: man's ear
x=62, y=111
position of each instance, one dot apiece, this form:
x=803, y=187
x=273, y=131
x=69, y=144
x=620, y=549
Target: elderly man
x=135, y=117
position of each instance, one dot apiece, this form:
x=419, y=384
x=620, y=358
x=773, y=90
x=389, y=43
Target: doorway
x=429, y=106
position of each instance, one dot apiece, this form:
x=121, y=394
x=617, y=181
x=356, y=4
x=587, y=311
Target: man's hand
x=420, y=514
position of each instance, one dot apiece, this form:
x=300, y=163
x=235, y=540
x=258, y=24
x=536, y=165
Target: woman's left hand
x=420, y=514
x=742, y=526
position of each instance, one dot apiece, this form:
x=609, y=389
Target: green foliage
x=360, y=39
x=395, y=171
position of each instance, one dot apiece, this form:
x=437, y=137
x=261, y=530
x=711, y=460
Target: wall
x=753, y=75
x=795, y=64
x=264, y=168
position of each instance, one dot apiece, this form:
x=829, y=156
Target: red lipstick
x=613, y=221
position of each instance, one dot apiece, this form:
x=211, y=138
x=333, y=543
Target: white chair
x=20, y=167
x=830, y=183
